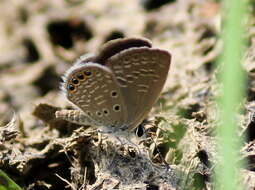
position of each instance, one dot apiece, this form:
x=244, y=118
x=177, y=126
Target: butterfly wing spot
x=127, y=66
x=100, y=100
x=92, y=91
x=88, y=73
x=100, y=103
x=114, y=94
x=106, y=91
x=143, y=73
x=130, y=78
x=71, y=88
x=106, y=111
x=80, y=101
x=142, y=88
x=98, y=97
x=144, y=70
x=80, y=76
x=116, y=108
x=75, y=81
x=136, y=63
x=150, y=73
x=119, y=71
x=122, y=81
x=89, y=113
x=117, y=67
x=90, y=85
x=104, y=86
x=99, y=114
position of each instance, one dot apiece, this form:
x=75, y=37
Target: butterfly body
x=116, y=88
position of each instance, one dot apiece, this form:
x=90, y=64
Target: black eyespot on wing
x=106, y=112
x=80, y=76
x=99, y=113
x=70, y=87
x=88, y=73
x=75, y=81
x=116, y=107
x=89, y=113
x=114, y=94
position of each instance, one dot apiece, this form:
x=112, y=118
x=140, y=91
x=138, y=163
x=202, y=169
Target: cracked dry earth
x=39, y=41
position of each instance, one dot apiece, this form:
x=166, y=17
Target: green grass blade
x=7, y=183
x=232, y=79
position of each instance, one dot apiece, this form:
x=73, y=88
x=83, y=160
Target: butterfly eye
x=75, y=81
x=71, y=88
x=88, y=73
x=81, y=76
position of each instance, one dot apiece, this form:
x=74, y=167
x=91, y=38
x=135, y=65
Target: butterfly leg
x=75, y=116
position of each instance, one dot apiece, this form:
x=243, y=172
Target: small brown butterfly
x=116, y=88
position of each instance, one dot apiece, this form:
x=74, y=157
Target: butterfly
x=116, y=88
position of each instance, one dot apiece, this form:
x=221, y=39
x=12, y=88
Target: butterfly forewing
x=141, y=73
x=93, y=88
x=116, y=46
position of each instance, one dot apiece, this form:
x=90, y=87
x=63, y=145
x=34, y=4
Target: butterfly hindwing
x=93, y=88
